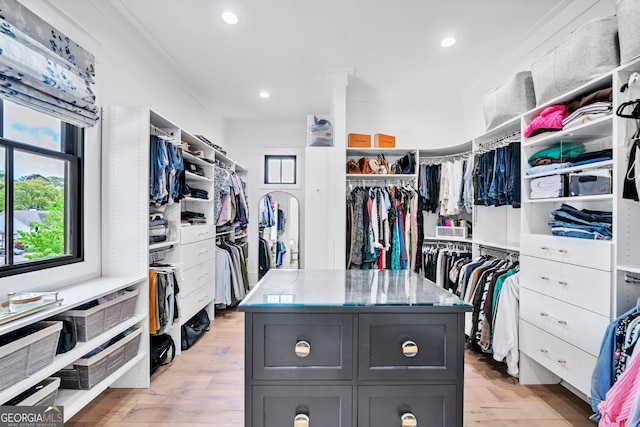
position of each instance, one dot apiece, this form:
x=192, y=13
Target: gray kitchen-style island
x=360, y=348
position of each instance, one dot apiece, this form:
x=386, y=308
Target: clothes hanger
x=634, y=114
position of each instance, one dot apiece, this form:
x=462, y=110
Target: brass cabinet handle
x=409, y=420
x=409, y=348
x=560, y=321
x=303, y=348
x=544, y=350
x=562, y=361
x=301, y=420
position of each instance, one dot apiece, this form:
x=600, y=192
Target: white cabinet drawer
x=195, y=233
x=195, y=277
x=196, y=301
x=197, y=253
x=566, y=361
x=577, y=326
x=584, y=252
x=581, y=286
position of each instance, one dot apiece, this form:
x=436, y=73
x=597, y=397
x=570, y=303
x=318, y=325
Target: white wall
x=430, y=120
x=534, y=46
x=248, y=143
x=127, y=73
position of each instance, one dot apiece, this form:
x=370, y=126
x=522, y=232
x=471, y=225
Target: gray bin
x=509, y=100
x=628, y=14
x=588, y=52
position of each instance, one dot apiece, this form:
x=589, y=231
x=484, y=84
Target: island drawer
x=290, y=346
x=409, y=346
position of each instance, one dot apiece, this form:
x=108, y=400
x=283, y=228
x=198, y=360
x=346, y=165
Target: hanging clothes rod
x=392, y=182
x=632, y=278
x=159, y=132
x=500, y=142
x=434, y=160
x=489, y=250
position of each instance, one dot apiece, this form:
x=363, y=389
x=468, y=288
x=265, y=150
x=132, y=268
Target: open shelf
x=595, y=198
x=161, y=245
x=193, y=177
x=375, y=151
x=74, y=400
x=448, y=239
x=372, y=176
x=606, y=164
x=599, y=128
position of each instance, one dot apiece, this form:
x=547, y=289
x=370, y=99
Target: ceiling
x=286, y=47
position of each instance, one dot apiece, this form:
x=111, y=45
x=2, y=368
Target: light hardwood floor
x=204, y=387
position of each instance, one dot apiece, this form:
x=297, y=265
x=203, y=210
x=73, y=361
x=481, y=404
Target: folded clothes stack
x=157, y=228
x=585, y=224
x=193, y=218
x=548, y=186
x=581, y=110
x=588, y=113
x=199, y=194
x=554, y=158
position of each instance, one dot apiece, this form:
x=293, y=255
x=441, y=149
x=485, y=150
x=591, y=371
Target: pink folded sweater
x=549, y=119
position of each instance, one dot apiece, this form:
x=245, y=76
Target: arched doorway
x=279, y=237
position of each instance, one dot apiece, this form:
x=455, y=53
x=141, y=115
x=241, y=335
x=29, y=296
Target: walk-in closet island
x=353, y=348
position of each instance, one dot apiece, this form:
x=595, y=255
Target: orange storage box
x=359, y=140
x=384, y=141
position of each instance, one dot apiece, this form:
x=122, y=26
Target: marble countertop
x=347, y=288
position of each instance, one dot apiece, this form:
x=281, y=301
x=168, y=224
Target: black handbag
x=161, y=346
x=194, y=328
x=68, y=335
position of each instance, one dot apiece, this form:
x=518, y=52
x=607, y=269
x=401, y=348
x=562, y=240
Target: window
x=279, y=169
x=40, y=191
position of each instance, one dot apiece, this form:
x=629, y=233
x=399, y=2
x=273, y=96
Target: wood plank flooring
x=204, y=387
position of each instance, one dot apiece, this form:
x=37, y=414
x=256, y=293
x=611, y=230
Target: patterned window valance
x=43, y=69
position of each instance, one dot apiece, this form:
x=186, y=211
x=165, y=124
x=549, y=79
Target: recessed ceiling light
x=230, y=18
x=448, y=42
x=264, y=94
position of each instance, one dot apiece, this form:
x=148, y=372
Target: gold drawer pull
x=544, y=277
x=409, y=420
x=562, y=282
x=562, y=322
x=301, y=420
x=409, y=348
x=544, y=350
x=303, y=348
x=563, y=251
x=562, y=361
x=544, y=248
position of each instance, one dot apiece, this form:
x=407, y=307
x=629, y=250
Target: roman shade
x=43, y=69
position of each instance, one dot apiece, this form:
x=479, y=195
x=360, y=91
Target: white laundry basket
x=628, y=14
x=509, y=100
x=588, y=52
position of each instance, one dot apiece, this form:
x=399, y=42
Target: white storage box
x=509, y=100
x=95, y=320
x=587, y=53
x=42, y=394
x=28, y=354
x=460, y=232
x=628, y=14
x=87, y=372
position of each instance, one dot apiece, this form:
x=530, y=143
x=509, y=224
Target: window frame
x=72, y=151
x=269, y=157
